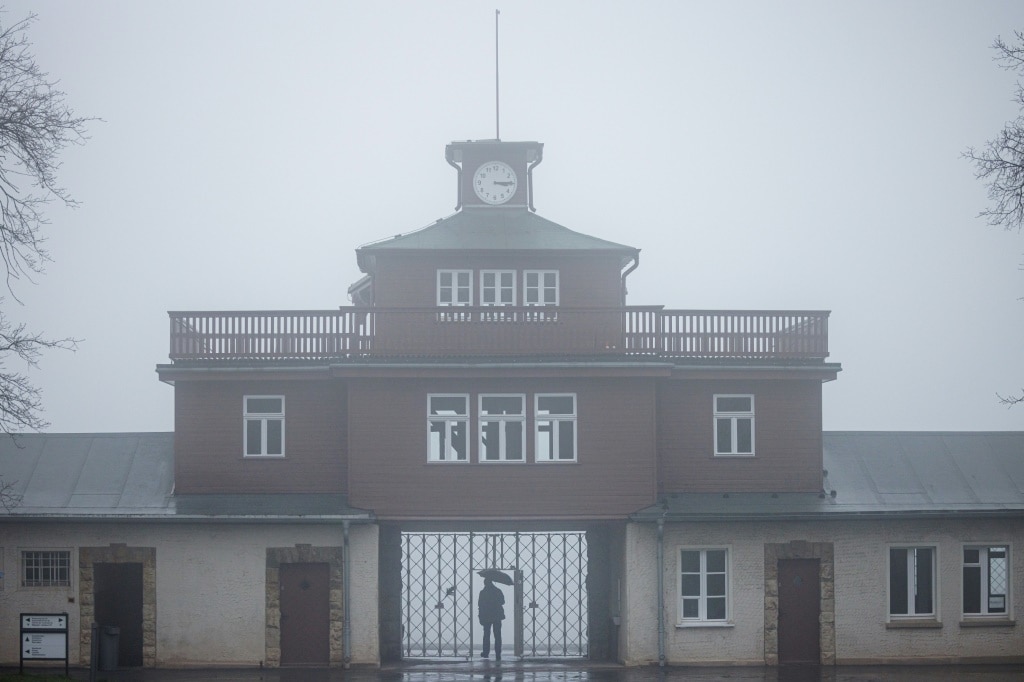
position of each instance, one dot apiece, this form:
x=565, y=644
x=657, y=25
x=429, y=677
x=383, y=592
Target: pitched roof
x=131, y=476
x=883, y=473
x=494, y=228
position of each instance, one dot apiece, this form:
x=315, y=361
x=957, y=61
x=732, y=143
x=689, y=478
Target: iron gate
x=548, y=611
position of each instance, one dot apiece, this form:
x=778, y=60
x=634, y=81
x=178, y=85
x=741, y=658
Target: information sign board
x=44, y=637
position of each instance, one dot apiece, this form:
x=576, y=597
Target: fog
x=788, y=155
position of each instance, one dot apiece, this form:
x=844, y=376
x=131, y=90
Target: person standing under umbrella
x=490, y=611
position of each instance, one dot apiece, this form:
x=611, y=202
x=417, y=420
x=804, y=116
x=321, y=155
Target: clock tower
x=493, y=173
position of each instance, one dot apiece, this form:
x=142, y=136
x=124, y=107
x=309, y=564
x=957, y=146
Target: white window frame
x=57, y=561
x=455, y=287
x=556, y=423
x=264, y=419
x=702, y=619
x=503, y=420
x=449, y=454
x=540, y=287
x=496, y=289
x=733, y=418
x=911, y=559
x=985, y=595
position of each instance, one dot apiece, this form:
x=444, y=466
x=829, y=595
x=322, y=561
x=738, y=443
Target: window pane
x=263, y=406
x=458, y=444
x=898, y=581
x=691, y=608
x=436, y=440
x=690, y=585
x=724, y=427
x=513, y=440
x=716, y=608
x=555, y=404
x=716, y=585
x=716, y=560
x=744, y=436
x=448, y=405
x=971, y=556
x=690, y=561
x=566, y=440
x=253, y=437
x=923, y=570
x=489, y=438
x=463, y=278
x=972, y=589
x=275, y=437
x=733, y=404
x=446, y=278
x=512, y=405
x=545, y=440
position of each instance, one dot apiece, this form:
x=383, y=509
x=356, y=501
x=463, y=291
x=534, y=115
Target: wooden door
x=799, y=611
x=117, y=600
x=305, y=614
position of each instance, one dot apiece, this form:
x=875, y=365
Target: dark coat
x=490, y=604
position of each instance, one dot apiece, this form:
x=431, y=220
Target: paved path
x=483, y=671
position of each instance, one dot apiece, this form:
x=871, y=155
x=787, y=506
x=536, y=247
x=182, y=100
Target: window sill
x=734, y=455
x=912, y=623
x=706, y=624
x=992, y=622
x=262, y=456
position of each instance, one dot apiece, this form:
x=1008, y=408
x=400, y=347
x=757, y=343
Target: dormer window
x=454, y=287
x=497, y=287
x=540, y=287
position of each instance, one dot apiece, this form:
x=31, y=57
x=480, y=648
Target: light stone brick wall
x=210, y=584
x=860, y=582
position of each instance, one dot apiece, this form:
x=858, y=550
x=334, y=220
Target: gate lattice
x=439, y=586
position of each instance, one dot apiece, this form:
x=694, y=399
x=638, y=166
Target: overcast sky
x=763, y=155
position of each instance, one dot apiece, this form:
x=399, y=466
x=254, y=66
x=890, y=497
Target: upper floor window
x=703, y=586
x=264, y=425
x=986, y=580
x=448, y=428
x=454, y=287
x=734, y=425
x=911, y=581
x=497, y=287
x=502, y=424
x=540, y=287
x=46, y=568
x=556, y=427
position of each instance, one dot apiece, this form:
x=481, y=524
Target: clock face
x=494, y=182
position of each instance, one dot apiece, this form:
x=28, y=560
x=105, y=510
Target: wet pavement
x=483, y=671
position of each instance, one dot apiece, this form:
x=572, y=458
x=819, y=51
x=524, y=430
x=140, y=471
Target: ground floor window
x=911, y=581
x=986, y=580
x=703, y=585
x=48, y=568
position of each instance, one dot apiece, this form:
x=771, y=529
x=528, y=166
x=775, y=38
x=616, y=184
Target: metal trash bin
x=110, y=643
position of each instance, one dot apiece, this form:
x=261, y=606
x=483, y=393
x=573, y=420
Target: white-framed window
x=734, y=425
x=986, y=580
x=264, y=425
x=703, y=585
x=454, y=287
x=497, y=287
x=502, y=427
x=448, y=427
x=540, y=287
x=555, y=426
x=912, y=581
x=46, y=568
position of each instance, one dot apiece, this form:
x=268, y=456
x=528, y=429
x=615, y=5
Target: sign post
x=44, y=637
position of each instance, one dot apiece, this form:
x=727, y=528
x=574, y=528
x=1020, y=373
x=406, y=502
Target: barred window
x=46, y=568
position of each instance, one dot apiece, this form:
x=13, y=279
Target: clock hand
x=506, y=183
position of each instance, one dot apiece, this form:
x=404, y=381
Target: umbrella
x=496, y=576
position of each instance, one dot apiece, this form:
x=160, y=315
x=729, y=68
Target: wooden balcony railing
x=494, y=331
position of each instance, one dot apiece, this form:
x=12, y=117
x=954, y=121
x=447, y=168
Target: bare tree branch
x=36, y=125
x=1000, y=164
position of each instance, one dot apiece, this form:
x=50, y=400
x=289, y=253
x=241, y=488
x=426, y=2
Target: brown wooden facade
x=356, y=380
